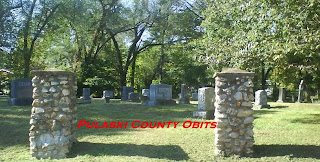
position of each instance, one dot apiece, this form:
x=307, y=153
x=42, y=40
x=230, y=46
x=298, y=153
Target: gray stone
x=86, y=94
x=107, y=99
x=125, y=93
x=206, y=100
x=160, y=94
x=184, y=98
x=300, y=92
x=108, y=93
x=261, y=100
x=134, y=97
x=21, y=92
x=145, y=92
x=282, y=94
x=209, y=115
x=194, y=96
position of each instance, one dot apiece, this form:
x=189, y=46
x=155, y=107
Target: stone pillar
x=300, y=92
x=206, y=100
x=53, y=115
x=233, y=113
x=282, y=94
x=261, y=100
x=183, y=98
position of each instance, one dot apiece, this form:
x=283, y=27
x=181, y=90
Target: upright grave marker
x=161, y=94
x=125, y=93
x=300, y=92
x=21, y=92
x=183, y=98
x=206, y=98
x=108, y=93
x=261, y=99
x=282, y=94
x=53, y=116
x=233, y=113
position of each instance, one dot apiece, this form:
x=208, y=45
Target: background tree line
x=112, y=43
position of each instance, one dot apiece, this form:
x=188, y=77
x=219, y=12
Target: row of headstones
x=159, y=94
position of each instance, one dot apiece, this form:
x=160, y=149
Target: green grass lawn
x=285, y=132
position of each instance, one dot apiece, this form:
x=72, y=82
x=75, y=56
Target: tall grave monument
x=183, y=98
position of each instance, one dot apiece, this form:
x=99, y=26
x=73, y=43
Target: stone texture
x=108, y=93
x=282, y=95
x=300, y=92
x=134, y=97
x=145, y=92
x=261, y=100
x=206, y=99
x=160, y=94
x=194, y=96
x=184, y=98
x=86, y=94
x=21, y=92
x=53, y=116
x=233, y=113
x=125, y=93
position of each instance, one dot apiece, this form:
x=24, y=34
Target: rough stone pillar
x=53, y=115
x=282, y=94
x=233, y=113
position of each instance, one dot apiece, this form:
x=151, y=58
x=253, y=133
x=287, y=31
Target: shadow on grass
x=297, y=151
x=262, y=112
x=278, y=107
x=311, y=119
x=171, y=152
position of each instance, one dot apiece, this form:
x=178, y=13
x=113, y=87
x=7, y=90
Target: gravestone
x=282, y=94
x=194, y=96
x=145, y=92
x=107, y=99
x=125, y=92
x=233, y=113
x=161, y=94
x=206, y=98
x=21, y=92
x=300, y=92
x=133, y=97
x=108, y=93
x=86, y=98
x=183, y=98
x=261, y=99
x=53, y=115
x=145, y=100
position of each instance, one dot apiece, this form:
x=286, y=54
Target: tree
x=36, y=16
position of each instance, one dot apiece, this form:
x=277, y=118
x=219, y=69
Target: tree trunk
x=263, y=77
x=133, y=68
x=27, y=59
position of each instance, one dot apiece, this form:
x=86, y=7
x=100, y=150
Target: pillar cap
x=230, y=72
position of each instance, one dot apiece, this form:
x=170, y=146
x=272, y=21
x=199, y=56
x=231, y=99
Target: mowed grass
x=283, y=133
